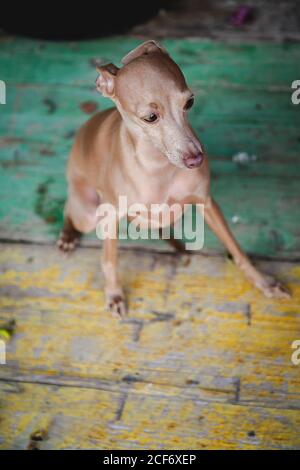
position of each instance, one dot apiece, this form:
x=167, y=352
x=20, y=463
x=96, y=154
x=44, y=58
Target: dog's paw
x=67, y=242
x=116, y=304
x=273, y=289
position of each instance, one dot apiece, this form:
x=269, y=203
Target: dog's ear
x=145, y=48
x=105, y=83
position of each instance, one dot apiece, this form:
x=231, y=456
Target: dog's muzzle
x=193, y=160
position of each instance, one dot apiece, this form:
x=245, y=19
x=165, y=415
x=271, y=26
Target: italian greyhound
x=143, y=148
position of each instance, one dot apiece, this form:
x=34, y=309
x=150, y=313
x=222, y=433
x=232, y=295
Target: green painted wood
x=243, y=104
x=260, y=122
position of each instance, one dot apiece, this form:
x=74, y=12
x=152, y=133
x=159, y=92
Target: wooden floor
x=243, y=104
x=203, y=360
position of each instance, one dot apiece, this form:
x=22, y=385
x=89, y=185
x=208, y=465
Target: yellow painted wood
x=150, y=419
x=202, y=361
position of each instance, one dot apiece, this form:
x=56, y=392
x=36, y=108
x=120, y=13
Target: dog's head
x=153, y=98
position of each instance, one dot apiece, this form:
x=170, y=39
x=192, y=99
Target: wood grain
x=202, y=360
x=243, y=104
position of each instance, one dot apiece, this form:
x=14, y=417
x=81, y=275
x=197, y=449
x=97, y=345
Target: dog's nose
x=193, y=160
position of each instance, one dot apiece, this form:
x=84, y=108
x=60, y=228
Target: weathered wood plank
x=243, y=105
x=202, y=360
x=227, y=64
x=34, y=211
x=199, y=328
x=228, y=121
x=143, y=418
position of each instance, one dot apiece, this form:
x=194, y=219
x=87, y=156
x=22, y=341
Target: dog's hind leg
x=69, y=237
x=79, y=215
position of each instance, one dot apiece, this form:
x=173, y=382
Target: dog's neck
x=146, y=155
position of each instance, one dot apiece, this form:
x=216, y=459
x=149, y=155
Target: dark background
x=77, y=20
x=269, y=19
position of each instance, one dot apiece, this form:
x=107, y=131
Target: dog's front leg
x=114, y=296
x=267, y=284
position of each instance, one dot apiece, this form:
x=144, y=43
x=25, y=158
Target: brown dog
x=143, y=148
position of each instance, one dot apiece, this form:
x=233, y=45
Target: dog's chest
x=158, y=203
x=178, y=190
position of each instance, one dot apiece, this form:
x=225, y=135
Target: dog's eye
x=189, y=103
x=151, y=118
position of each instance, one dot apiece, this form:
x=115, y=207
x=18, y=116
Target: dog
x=143, y=148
